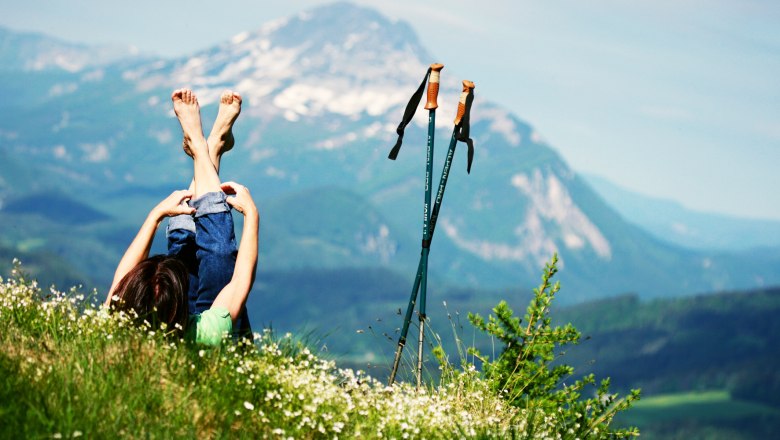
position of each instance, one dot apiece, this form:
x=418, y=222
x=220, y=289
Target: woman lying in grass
x=202, y=284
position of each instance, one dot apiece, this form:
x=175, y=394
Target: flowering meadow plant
x=70, y=368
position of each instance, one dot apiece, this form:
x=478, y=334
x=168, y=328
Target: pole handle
x=433, y=86
x=468, y=87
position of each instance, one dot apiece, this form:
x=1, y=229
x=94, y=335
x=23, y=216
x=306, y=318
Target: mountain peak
x=339, y=59
x=352, y=27
x=340, y=39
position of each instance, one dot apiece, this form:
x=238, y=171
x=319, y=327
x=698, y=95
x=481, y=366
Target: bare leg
x=221, y=139
x=187, y=109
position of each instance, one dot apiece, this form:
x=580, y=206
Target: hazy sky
x=672, y=98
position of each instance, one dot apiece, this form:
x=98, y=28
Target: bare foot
x=221, y=139
x=187, y=109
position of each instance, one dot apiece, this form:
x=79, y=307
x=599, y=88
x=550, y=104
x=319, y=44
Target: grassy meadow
x=71, y=369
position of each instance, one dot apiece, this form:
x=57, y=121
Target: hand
x=173, y=204
x=242, y=201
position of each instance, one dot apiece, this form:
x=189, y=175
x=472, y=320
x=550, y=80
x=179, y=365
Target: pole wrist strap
x=463, y=128
x=411, y=107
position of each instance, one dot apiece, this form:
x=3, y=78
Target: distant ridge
x=32, y=51
x=673, y=223
x=55, y=207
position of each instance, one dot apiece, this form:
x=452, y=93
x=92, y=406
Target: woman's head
x=156, y=289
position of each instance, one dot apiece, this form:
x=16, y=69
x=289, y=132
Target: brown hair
x=156, y=290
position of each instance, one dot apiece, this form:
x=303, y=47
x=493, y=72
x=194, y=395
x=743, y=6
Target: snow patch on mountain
x=552, y=219
x=533, y=245
x=316, y=99
x=502, y=123
x=93, y=75
x=481, y=201
x=273, y=25
x=239, y=38
x=378, y=243
x=60, y=89
x=60, y=152
x=75, y=58
x=64, y=62
x=163, y=137
x=551, y=202
x=272, y=171
x=96, y=153
x=64, y=122
x=376, y=127
x=336, y=142
x=351, y=40
x=259, y=153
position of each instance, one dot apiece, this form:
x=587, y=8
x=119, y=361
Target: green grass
x=670, y=401
x=699, y=415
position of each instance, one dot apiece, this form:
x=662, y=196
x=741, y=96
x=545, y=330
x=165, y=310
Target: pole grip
x=433, y=86
x=468, y=86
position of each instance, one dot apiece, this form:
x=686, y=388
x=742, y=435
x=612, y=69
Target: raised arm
x=139, y=247
x=234, y=294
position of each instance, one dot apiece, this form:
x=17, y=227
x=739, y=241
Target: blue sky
x=675, y=99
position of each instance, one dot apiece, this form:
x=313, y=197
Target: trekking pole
x=459, y=133
x=432, y=77
x=431, y=106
